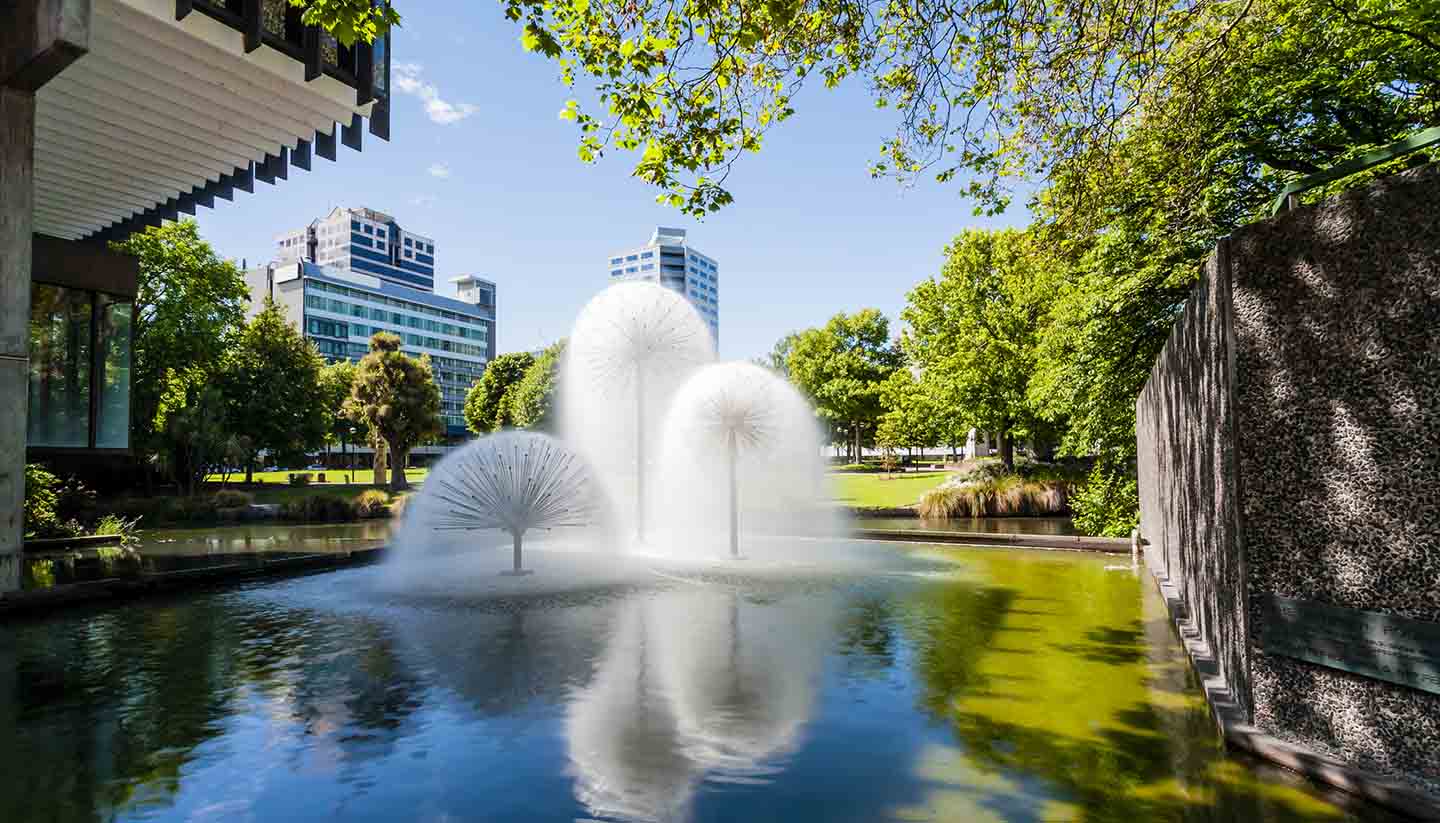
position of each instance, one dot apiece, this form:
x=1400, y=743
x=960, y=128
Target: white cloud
x=406, y=77
x=439, y=170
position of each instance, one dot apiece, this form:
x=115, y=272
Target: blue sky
x=493, y=177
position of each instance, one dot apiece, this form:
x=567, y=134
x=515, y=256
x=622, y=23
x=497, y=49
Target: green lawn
x=884, y=489
x=332, y=476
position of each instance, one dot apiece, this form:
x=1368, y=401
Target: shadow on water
x=1020, y=687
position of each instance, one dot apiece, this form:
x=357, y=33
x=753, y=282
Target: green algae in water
x=990, y=685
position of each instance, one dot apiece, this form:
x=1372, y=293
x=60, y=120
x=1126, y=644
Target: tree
x=487, y=404
x=396, y=396
x=909, y=421
x=337, y=380
x=841, y=367
x=188, y=306
x=270, y=379
x=779, y=357
x=532, y=400
x=974, y=330
x=191, y=429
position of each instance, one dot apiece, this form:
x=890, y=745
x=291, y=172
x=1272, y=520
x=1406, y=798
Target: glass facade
x=367, y=312
x=79, y=386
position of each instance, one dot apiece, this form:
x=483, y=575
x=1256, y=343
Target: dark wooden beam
x=281, y=165
x=353, y=135
x=264, y=171
x=244, y=179
x=300, y=157
x=364, y=73
x=311, y=45
x=325, y=144
x=252, y=24
x=183, y=8
x=88, y=265
x=380, y=118
x=39, y=38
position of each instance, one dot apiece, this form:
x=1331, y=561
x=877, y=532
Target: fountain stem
x=640, y=452
x=734, y=499
x=517, y=536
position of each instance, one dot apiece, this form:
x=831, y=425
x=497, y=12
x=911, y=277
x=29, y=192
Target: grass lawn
x=332, y=476
x=883, y=489
x=276, y=487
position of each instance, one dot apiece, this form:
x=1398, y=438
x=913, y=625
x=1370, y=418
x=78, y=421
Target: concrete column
x=17, y=213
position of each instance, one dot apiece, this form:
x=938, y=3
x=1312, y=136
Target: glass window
x=615, y=261
x=631, y=258
x=408, y=241
x=112, y=357
x=59, y=367
x=646, y=255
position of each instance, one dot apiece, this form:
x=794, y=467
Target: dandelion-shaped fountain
x=515, y=481
x=631, y=346
x=725, y=410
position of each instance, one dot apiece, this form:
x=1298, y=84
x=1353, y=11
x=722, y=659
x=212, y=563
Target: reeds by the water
x=1004, y=496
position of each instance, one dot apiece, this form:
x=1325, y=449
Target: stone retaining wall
x=1289, y=445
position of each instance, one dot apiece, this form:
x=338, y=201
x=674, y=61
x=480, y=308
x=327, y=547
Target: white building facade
x=339, y=310
x=668, y=259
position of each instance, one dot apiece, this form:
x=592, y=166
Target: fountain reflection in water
x=696, y=684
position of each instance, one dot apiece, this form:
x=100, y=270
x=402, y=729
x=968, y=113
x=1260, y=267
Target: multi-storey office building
x=339, y=310
x=366, y=241
x=670, y=261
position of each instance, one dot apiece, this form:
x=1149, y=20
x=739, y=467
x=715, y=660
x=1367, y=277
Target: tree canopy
x=532, y=400
x=396, y=396
x=270, y=380
x=973, y=331
x=188, y=308
x=841, y=366
x=487, y=404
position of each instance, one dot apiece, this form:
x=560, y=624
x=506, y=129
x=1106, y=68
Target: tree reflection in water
x=1022, y=687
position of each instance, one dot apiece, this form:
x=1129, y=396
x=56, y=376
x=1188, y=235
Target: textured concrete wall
x=1185, y=430
x=1337, y=398
x=17, y=166
x=1290, y=445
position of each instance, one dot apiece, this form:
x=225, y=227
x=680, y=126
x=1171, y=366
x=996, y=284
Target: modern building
x=116, y=115
x=339, y=310
x=668, y=259
x=366, y=241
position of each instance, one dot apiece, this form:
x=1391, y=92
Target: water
x=989, y=525
x=942, y=684
x=264, y=538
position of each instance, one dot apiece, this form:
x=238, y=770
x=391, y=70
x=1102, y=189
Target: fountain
x=631, y=347
x=513, y=481
x=637, y=369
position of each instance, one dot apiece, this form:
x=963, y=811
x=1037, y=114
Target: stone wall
x=1289, y=443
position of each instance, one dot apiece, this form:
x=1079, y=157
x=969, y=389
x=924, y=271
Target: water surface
x=988, y=525
x=954, y=684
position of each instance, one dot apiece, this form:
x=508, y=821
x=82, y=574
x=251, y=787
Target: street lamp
x=345, y=435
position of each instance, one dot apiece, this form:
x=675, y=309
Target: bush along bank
x=235, y=506
x=989, y=491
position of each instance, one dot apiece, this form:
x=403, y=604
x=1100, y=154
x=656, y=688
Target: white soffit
x=159, y=107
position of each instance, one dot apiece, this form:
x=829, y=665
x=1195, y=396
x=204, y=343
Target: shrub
x=41, y=500
x=320, y=508
x=300, y=479
x=1004, y=496
x=1108, y=504
x=128, y=530
x=232, y=499
x=372, y=503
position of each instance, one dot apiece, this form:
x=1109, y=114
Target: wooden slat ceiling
x=164, y=115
